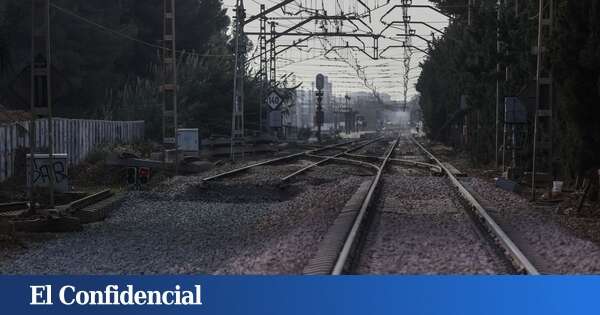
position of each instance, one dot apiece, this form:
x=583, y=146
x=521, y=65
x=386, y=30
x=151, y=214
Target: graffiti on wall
x=42, y=171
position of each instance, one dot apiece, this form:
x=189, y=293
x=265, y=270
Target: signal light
x=144, y=174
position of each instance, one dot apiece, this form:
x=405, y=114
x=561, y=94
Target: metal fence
x=76, y=137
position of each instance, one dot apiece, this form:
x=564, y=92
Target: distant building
x=304, y=109
x=371, y=108
x=306, y=105
x=374, y=112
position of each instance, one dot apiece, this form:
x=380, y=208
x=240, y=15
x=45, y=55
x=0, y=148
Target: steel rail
x=272, y=161
x=327, y=159
x=353, y=161
x=522, y=264
x=352, y=237
x=405, y=162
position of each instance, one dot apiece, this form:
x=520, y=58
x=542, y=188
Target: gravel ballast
x=552, y=248
x=420, y=228
x=252, y=223
x=240, y=225
x=554, y=243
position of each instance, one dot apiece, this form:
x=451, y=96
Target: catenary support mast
x=237, y=121
x=41, y=90
x=543, y=134
x=169, y=87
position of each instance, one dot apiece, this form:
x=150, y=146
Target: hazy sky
x=386, y=75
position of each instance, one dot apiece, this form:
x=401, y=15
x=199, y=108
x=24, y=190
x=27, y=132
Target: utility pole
x=169, y=87
x=498, y=83
x=41, y=91
x=237, y=121
x=543, y=131
x=470, y=12
x=407, y=49
x=264, y=65
x=273, y=57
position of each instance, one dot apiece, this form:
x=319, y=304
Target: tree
x=109, y=75
x=463, y=62
x=576, y=58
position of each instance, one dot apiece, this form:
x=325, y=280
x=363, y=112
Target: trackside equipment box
x=188, y=140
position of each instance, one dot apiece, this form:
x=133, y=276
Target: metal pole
x=175, y=100
x=50, y=122
x=543, y=137
x=235, y=83
x=41, y=89
x=237, y=122
x=264, y=76
x=273, y=58
x=33, y=95
x=273, y=63
x=407, y=51
x=470, y=12
x=537, y=96
x=169, y=88
x=498, y=83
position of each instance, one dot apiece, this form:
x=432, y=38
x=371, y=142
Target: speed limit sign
x=274, y=100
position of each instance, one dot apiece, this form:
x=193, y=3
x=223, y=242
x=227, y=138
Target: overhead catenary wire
x=301, y=60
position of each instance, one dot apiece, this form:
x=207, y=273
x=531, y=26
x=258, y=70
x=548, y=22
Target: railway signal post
x=319, y=119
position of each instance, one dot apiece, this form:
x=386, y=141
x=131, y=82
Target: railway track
x=458, y=239
x=519, y=261
x=343, y=236
x=312, y=212
x=309, y=153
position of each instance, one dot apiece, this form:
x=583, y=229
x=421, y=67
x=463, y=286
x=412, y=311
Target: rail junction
x=342, y=244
